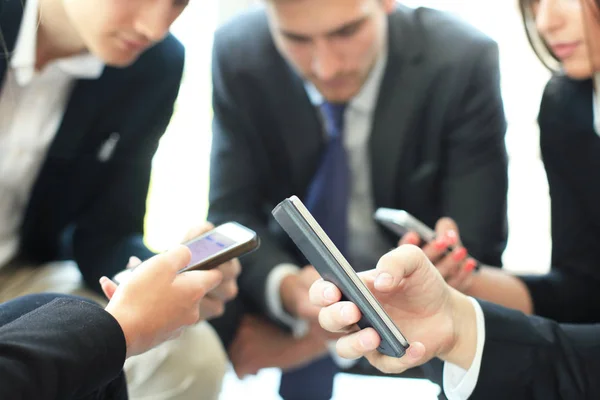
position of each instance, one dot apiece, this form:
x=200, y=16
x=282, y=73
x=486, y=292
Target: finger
x=226, y=291
x=169, y=262
x=197, y=231
x=133, y=262
x=415, y=356
x=448, y=228
x=231, y=269
x=198, y=283
x=452, y=263
x=358, y=344
x=398, y=264
x=306, y=310
x=108, y=287
x=309, y=275
x=437, y=249
x=211, y=308
x=410, y=238
x=461, y=278
x=322, y=293
x=339, y=316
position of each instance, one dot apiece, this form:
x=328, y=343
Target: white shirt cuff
x=299, y=327
x=458, y=383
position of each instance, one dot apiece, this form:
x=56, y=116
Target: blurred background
x=179, y=187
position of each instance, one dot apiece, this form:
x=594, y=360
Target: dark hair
x=539, y=46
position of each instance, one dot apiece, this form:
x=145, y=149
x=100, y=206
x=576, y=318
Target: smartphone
x=401, y=222
x=320, y=251
x=215, y=247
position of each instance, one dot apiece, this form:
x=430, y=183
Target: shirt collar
x=24, y=55
x=366, y=98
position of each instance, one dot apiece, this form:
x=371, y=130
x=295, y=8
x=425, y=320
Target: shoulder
x=566, y=103
x=245, y=37
x=442, y=36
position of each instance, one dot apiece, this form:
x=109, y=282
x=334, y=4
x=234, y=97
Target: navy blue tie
x=327, y=199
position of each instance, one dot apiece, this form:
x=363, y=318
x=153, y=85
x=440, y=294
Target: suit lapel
x=11, y=13
x=394, y=113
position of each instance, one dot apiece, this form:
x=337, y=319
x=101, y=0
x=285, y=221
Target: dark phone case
x=299, y=230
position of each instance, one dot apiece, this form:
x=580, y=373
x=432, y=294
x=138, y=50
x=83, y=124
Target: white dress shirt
x=32, y=105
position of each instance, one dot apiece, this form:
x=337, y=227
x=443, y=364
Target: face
x=118, y=31
x=561, y=25
x=332, y=43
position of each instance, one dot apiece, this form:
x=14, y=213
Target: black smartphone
x=401, y=222
x=215, y=247
x=320, y=251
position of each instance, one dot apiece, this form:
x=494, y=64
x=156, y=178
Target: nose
x=154, y=19
x=326, y=63
x=549, y=16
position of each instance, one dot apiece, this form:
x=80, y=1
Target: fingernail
x=441, y=244
x=413, y=239
x=470, y=265
x=452, y=237
x=460, y=254
x=411, y=352
x=329, y=294
x=345, y=312
x=103, y=279
x=366, y=342
x=384, y=281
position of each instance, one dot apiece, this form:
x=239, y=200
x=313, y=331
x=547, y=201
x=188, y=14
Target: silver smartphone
x=320, y=251
x=214, y=247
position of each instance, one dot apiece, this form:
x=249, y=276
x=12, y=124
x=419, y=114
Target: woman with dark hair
x=565, y=34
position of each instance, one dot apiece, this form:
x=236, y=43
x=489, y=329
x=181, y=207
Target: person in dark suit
x=66, y=347
x=569, y=122
x=87, y=90
x=490, y=352
x=415, y=93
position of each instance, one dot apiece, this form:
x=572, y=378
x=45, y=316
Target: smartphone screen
x=208, y=246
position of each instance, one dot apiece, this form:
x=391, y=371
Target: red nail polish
x=460, y=254
x=470, y=265
x=441, y=244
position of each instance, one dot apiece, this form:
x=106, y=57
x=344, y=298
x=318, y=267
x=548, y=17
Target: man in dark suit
x=490, y=352
x=414, y=96
x=87, y=91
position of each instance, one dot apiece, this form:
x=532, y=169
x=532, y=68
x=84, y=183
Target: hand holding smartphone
x=320, y=251
x=401, y=222
x=215, y=247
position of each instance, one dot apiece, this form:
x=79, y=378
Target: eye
x=348, y=30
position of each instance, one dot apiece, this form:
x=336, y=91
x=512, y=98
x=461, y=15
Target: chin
x=578, y=71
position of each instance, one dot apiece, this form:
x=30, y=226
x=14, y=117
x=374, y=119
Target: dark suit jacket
x=60, y=348
x=571, y=154
x=532, y=358
x=437, y=142
x=81, y=207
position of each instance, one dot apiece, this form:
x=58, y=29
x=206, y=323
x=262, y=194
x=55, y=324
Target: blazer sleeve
x=570, y=152
x=238, y=187
x=528, y=357
x=111, y=228
x=67, y=348
x=474, y=175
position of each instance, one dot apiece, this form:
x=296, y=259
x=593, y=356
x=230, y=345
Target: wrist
x=463, y=346
x=127, y=331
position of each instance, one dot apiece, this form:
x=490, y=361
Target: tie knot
x=334, y=117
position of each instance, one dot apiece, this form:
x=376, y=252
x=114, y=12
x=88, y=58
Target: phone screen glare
x=208, y=246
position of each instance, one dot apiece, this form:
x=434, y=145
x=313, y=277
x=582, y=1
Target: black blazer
x=60, y=348
x=531, y=358
x=82, y=207
x=571, y=154
x=437, y=142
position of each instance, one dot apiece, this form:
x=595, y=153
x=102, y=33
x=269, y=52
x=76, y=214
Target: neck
x=56, y=37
